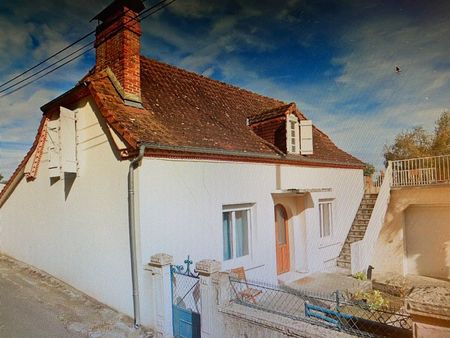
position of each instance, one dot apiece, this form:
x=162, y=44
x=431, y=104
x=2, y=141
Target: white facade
x=76, y=228
x=181, y=204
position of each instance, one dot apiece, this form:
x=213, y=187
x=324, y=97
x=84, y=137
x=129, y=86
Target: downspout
x=132, y=234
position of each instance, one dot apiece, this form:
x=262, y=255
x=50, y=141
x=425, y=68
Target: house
x=402, y=229
x=141, y=157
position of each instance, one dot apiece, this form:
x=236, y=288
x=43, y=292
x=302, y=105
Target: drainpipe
x=132, y=234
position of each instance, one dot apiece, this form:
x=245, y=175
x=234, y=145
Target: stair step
x=355, y=237
x=345, y=253
x=343, y=264
x=344, y=257
x=360, y=222
x=367, y=206
x=358, y=228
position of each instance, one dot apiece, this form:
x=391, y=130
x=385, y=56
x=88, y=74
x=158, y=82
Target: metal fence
x=421, y=171
x=333, y=311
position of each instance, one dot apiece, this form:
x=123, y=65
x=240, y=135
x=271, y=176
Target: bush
x=369, y=169
x=360, y=276
x=374, y=299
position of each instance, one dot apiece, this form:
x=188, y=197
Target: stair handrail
x=362, y=251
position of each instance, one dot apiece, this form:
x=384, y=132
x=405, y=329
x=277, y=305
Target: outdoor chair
x=247, y=292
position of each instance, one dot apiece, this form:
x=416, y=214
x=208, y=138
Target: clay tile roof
x=270, y=114
x=184, y=109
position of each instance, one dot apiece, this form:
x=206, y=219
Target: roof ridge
x=213, y=80
x=287, y=106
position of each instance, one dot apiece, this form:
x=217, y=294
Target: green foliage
x=409, y=144
x=441, y=141
x=419, y=143
x=360, y=276
x=374, y=299
x=369, y=169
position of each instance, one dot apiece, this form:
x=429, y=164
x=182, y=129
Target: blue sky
x=336, y=59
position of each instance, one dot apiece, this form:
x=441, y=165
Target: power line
x=67, y=56
x=49, y=58
x=44, y=69
x=53, y=55
x=47, y=73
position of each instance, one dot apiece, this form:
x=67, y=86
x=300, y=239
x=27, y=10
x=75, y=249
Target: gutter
x=132, y=234
x=239, y=153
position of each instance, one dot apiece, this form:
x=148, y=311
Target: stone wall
x=220, y=317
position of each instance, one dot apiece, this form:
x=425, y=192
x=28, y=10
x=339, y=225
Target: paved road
x=22, y=315
x=36, y=305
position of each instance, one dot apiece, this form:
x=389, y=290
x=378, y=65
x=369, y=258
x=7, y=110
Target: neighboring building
x=226, y=174
x=416, y=232
x=408, y=232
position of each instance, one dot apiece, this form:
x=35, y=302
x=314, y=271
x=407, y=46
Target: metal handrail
x=421, y=171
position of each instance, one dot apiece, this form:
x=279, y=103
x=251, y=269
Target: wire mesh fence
x=186, y=292
x=334, y=311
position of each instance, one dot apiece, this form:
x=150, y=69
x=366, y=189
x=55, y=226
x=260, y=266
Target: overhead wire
x=149, y=11
x=53, y=55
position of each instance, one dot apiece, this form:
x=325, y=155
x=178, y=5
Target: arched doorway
x=282, y=239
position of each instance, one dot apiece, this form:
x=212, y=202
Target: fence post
x=159, y=266
x=206, y=269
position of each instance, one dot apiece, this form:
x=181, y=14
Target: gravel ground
x=35, y=304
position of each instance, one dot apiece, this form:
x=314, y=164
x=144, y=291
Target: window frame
x=321, y=203
x=233, y=209
x=292, y=125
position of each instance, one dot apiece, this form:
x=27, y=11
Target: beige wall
x=404, y=243
x=427, y=241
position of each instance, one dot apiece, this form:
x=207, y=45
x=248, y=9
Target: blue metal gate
x=186, y=307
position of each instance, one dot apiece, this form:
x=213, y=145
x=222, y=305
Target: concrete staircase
x=358, y=229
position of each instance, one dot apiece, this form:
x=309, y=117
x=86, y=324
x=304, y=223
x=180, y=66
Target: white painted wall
x=77, y=232
x=181, y=212
x=347, y=189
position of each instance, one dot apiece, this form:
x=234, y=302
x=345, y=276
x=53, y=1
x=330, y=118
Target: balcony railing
x=421, y=171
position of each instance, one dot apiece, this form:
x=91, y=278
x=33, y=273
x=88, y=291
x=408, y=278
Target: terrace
x=421, y=171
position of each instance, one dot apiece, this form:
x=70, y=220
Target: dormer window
x=293, y=131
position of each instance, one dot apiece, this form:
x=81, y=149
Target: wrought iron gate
x=186, y=306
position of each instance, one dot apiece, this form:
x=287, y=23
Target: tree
x=409, y=144
x=441, y=141
x=1, y=177
x=369, y=169
x=418, y=143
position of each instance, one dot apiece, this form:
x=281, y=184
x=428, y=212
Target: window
x=236, y=231
x=292, y=139
x=326, y=218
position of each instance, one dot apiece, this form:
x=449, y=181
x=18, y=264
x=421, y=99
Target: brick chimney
x=117, y=44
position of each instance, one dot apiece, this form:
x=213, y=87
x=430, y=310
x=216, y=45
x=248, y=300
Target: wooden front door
x=282, y=239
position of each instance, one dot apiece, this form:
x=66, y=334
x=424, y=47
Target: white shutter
x=53, y=148
x=306, y=137
x=68, y=141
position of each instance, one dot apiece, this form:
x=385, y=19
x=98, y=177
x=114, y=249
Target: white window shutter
x=306, y=137
x=53, y=148
x=68, y=141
